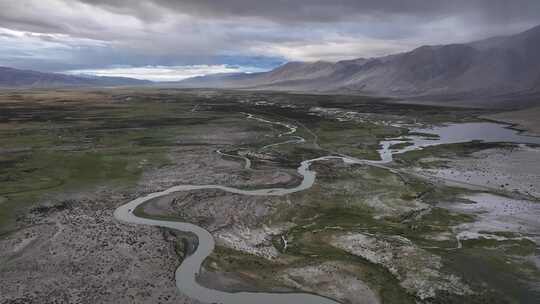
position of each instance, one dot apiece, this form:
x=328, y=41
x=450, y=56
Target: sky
x=167, y=40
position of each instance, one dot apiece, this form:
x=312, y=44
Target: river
x=187, y=272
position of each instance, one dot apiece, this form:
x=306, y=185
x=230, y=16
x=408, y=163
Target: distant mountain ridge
x=490, y=67
x=10, y=77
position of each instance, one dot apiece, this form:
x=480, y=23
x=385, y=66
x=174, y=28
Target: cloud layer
x=60, y=35
x=165, y=73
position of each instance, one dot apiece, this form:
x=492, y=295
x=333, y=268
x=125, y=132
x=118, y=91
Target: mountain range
x=494, y=67
x=499, y=68
x=10, y=77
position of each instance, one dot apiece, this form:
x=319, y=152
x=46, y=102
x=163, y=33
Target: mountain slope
x=10, y=77
x=495, y=66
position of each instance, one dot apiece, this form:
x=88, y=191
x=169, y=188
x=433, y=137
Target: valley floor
x=446, y=224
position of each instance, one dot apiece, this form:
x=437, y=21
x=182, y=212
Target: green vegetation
x=400, y=145
x=360, y=140
x=499, y=277
x=53, y=146
x=414, y=158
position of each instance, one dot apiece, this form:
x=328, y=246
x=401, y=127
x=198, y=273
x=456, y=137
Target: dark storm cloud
x=19, y=14
x=331, y=11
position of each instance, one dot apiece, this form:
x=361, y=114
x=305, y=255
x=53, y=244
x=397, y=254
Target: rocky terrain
x=416, y=269
x=77, y=253
x=498, y=169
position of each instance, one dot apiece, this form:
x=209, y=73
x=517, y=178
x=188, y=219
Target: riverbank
x=525, y=120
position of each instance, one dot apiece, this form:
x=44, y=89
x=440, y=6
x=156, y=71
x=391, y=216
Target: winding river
x=187, y=272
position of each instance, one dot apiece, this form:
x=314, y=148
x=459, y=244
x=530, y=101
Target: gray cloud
x=81, y=34
x=331, y=11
